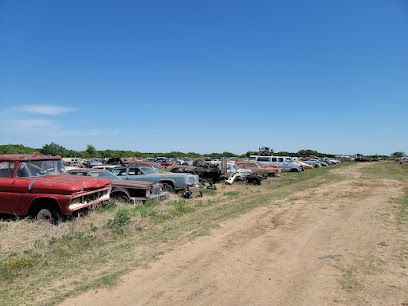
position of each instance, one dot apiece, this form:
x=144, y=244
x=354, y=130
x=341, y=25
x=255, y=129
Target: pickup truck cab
x=171, y=182
x=38, y=186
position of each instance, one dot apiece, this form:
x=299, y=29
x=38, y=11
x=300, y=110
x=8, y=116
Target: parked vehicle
x=72, y=160
x=314, y=163
x=164, y=162
x=330, y=161
x=208, y=173
x=304, y=165
x=38, y=186
x=233, y=169
x=361, y=158
x=267, y=170
x=153, y=165
x=93, y=162
x=170, y=182
x=126, y=190
x=285, y=163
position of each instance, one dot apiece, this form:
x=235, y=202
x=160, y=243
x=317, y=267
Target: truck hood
x=132, y=184
x=66, y=184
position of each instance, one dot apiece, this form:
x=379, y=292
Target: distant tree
x=228, y=154
x=16, y=149
x=305, y=153
x=249, y=153
x=91, y=151
x=53, y=149
x=398, y=154
x=283, y=153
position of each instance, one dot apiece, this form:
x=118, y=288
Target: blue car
x=171, y=182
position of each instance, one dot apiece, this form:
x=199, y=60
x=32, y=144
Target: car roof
x=27, y=157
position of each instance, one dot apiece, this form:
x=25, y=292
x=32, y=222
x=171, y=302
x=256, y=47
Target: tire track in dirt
x=320, y=248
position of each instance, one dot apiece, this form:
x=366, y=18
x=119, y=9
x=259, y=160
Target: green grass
x=348, y=279
x=209, y=192
x=99, y=254
x=231, y=194
x=386, y=169
x=402, y=202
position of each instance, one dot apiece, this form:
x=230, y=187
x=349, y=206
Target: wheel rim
x=45, y=215
x=167, y=187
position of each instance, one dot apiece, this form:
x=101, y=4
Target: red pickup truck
x=38, y=186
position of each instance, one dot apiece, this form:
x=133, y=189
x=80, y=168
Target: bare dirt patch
x=335, y=244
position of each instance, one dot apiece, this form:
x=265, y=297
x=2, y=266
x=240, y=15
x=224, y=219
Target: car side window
x=263, y=159
x=135, y=171
x=6, y=169
x=280, y=159
x=23, y=171
x=274, y=159
x=119, y=171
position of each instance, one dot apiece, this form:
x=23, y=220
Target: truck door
x=9, y=194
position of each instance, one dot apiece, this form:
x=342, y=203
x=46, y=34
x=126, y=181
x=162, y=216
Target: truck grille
x=89, y=198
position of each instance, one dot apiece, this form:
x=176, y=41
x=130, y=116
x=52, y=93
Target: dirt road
x=333, y=245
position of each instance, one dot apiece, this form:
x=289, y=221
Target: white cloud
x=31, y=123
x=44, y=109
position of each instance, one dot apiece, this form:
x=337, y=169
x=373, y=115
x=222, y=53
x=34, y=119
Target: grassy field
x=43, y=264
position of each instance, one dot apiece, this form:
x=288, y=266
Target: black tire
x=47, y=215
x=167, y=187
x=121, y=197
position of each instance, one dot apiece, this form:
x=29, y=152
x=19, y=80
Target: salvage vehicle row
x=38, y=186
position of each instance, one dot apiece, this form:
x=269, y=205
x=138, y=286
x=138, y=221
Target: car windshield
x=105, y=174
x=148, y=170
x=40, y=168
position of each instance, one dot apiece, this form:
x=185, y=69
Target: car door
x=136, y=174
x=120, y=172
x=9, y=194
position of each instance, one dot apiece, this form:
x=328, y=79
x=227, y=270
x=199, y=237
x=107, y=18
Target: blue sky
x=205, y=76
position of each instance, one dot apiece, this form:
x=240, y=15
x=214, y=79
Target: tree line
x=90, y=151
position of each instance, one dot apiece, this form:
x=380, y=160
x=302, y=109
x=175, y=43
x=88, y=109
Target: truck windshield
x=40, y=168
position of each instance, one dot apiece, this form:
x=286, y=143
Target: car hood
x=132, y=184
x=66, y=184
x=170, y=174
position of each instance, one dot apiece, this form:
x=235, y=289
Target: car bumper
x=161, y=196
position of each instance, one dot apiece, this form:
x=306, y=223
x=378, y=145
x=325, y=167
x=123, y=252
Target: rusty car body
x=38, y=186
x=267, y=170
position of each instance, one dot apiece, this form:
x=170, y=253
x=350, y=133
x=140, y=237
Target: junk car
x=38, y=186
x=171, y=182
x=126, y=190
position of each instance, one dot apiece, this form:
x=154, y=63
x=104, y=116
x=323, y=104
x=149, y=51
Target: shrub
x=121, y=219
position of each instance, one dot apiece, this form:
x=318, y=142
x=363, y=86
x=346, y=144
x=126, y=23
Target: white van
x=286, y=163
